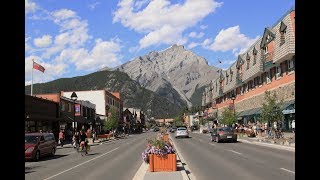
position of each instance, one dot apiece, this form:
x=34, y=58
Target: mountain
x=174, y=73
x=132, y=94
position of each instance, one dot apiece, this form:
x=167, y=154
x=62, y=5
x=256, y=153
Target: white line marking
x=287, y=170
x=141, y=171
x=81, y=164
x=235, y=152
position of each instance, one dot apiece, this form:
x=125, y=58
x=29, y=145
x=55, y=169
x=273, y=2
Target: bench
x=106, y=136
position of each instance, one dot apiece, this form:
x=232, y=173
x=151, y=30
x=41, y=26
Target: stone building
x=269, y=64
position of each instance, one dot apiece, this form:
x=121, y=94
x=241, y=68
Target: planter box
x=159, y=163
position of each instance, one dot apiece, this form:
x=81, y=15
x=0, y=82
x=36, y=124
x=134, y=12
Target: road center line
x=287, y=170
x=235, y=152
x=81, y=164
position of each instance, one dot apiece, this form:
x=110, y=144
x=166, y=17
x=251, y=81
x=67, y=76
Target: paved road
x=119, y=159
x=211, y=160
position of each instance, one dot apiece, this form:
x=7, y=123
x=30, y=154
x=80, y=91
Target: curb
x=184, y=174
x=288, y=148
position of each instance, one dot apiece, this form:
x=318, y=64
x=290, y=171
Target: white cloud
x=192, y=45
x=206, y=42
x=30, y=6
x=104, y=53
x=44, y=41
x=160, y=17
x=133, y=49
x=93, y=5
x=195, y=35
x=63, y=14
x=203, y=26
x=231, y=39
x=52, y=70
x=140, y=3
x=73, y=32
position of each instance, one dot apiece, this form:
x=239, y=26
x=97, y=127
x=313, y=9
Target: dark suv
x=38, y=145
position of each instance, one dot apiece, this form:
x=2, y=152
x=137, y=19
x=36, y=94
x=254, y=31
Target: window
x=265, y=49
x=231, y=74
x=278, y=71
x=63, y=106
x=248, y=61
x=254, y=59
x=290, y=65
x=268, y=77
x=282, y=30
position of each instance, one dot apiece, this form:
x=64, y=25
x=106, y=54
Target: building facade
x=268, y=65
x=103, y=100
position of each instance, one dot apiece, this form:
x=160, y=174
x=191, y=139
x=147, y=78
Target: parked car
x=223, y=134
x=173, y=129
x=181, y=132
x=38, y=145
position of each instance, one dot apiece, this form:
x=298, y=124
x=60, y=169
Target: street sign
x=77, y=110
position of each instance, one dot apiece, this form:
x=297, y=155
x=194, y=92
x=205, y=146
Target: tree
x=202, y=121
x=228, y=117
x=113, y=120
x=271, y=111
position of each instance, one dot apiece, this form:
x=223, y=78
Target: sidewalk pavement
x=96, y=142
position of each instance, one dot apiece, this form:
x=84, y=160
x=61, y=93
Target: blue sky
x=73, y=38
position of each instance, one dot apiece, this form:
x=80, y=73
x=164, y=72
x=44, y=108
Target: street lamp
x=233, y=97
x=74, y=97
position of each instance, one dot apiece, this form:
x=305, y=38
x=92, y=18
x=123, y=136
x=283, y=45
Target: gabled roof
x=283, y=27
x=267, y=31
x=239, y=61
x=254, y=51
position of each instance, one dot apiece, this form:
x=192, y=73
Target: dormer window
x=248, y=61
x=227, y=76
x=231, y=74
x=282, y=30
x=254, y=53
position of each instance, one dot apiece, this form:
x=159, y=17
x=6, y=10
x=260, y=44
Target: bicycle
x=83, y=148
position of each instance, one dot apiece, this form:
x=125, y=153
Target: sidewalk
x=96, y=142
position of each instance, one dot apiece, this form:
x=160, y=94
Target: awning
x=288, y=107
x=250, y=112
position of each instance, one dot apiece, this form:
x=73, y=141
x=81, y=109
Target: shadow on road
x=29, y=169
x=92, y=154
x=52, y=157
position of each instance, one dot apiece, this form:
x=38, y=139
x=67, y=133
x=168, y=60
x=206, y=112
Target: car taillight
x=30, y=149
x=220, y=132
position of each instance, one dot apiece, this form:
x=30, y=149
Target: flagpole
x=32, y=77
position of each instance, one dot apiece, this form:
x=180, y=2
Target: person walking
x=293, y=125
x=61, y=137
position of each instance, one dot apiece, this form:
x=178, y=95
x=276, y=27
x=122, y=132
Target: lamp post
x=233, y=97
x=74, y=97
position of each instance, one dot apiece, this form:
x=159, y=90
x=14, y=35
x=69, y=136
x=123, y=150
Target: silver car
x=181, y=132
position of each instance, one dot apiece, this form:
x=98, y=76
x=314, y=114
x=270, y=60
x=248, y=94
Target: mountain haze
x=174, y=73
x=132, y=94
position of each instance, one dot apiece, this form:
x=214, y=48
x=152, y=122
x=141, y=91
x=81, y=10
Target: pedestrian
x=40, y=131
x=93, y=135
x=293, y=125
x=61, y=138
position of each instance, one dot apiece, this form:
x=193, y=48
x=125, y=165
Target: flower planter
x=162, y=163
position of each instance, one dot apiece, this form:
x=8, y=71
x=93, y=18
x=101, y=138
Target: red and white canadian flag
x=38, y=67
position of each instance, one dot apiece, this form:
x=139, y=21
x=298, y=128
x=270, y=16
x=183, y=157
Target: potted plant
x=160, y=155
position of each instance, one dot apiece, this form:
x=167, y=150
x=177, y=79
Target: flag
x=38, y=67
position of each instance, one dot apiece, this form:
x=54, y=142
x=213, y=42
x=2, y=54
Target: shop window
x=290, y=65
x=278, y=72
x=63, y=106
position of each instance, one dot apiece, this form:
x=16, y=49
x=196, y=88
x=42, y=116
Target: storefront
x=288, y=111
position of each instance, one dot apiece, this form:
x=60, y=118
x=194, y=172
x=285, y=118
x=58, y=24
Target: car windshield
x=226, y=129
x=181, y=129
x=31, y=139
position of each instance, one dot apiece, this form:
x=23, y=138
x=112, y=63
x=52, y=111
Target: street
x=211, y=160
x=115, y=159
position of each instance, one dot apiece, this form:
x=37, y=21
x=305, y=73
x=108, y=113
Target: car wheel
x=37, y=156
x=53, y=151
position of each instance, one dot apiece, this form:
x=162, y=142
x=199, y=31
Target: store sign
x=77, y=110
x=287, y=111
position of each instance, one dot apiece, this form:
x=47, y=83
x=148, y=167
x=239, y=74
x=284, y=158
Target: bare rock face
x=174, y=73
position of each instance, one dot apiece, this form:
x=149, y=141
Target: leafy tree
x=271, y=111
x=228, y=117
x=113, y=120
